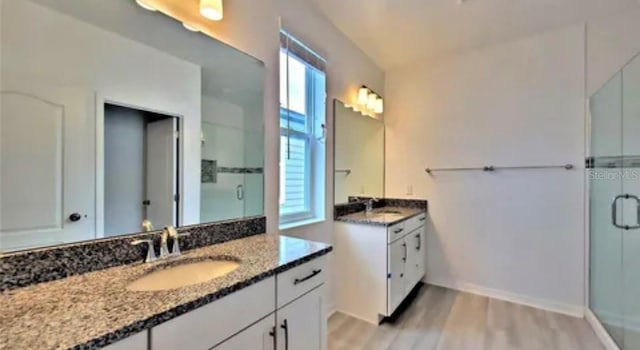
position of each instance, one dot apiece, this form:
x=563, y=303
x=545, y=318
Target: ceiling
x=397, y=32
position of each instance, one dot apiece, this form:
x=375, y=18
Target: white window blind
x=302, y=109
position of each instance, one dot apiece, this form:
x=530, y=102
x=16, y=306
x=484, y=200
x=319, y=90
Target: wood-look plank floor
x=443, y=319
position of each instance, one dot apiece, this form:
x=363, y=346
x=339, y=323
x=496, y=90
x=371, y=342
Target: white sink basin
x=183, y=275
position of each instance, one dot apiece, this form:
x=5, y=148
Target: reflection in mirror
x=117, y=120
x=140, y=167
x=359, y=155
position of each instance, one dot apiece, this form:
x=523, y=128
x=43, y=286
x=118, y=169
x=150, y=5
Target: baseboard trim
x=548, y=305
x=600, y=331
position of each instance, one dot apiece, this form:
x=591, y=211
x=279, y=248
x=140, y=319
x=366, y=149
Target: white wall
x=611, y=42
x=512, y=233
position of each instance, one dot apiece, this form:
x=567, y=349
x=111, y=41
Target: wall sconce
x=211, y=9
x=369, y=102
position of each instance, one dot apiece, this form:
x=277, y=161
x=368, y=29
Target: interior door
x=47, y=167
x=631, y=206
x=302, y=323
x=161, y=173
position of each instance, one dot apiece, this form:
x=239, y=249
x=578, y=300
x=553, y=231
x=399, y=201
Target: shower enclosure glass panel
x=631, y=208
x=614, y=176
x=605, y=183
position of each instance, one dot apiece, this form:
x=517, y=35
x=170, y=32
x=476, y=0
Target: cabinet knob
x=75, y=217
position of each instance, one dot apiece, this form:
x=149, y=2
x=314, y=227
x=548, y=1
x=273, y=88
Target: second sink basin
x=185, y=274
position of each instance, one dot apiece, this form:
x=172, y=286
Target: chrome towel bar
x=491, y=168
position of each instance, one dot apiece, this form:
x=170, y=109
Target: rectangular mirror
x=116, y=120
x=359, y=155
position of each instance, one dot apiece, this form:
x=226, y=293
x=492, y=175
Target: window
x=302, y=132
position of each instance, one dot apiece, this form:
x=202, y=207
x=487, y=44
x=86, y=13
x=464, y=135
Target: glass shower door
x=606, y=292
x=631, y=206
x=615, y=206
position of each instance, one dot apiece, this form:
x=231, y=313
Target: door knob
x=75, y=217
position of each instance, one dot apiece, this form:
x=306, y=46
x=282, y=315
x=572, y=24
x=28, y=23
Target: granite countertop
x=95, y=309
x=377, y=218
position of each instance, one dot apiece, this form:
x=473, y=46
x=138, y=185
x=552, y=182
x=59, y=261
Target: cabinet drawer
x=415, y=222
x=396, y=231
x=301, y=279
x=209, y=325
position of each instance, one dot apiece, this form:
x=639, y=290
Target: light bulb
x=363, y=96
x=371, y=102
x=379, y=106
x=144, y=5
x=211, y=9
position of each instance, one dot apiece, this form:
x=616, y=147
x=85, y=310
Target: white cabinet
x=260, y=336
x=285, y=312
x=209, y=325
x=406, y=267
x=302, y=323
x=378, y=266
x=134, y=342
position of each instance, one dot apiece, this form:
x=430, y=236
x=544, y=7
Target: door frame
x=101, y=100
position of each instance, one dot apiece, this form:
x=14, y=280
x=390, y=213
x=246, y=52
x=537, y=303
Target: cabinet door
x=260, y=336
x=302, y=323
x=411, y=267
x=398, y=252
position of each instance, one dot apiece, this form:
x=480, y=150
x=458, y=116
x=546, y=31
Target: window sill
x=300, y=223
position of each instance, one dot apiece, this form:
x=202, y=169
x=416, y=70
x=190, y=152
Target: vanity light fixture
x=369, y=102
x=145, y=5
x=211, y=9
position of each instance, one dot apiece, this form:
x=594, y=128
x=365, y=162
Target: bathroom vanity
x=381, y=255
x=274, y=299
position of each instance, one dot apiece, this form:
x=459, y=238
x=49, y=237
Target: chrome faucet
x=170, y=232
x=167, y=232
x=151, y=253
x=369, y=207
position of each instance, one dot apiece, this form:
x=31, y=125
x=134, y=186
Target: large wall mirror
x=359, y=155
x=115, y=119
